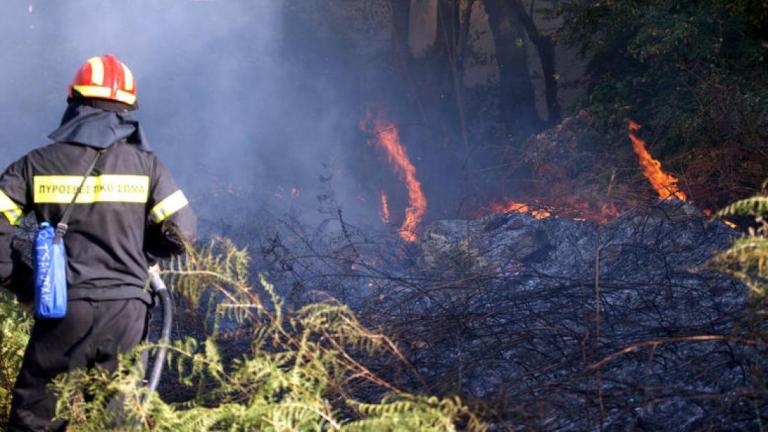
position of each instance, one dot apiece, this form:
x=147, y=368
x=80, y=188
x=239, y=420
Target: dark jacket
x=129, y=208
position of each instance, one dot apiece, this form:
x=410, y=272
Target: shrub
x=302, y=370
x=693, y=72
x=14, y=334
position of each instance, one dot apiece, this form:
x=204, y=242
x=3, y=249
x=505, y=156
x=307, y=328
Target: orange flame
x=567, y=207
x=385, y=216
x=388, y=138
x=516, y=207
x=664, y=184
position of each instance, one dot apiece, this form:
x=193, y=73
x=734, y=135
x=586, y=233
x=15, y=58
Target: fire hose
x=161, y=291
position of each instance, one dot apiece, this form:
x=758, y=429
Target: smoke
x=249, y=100
x=234, y=98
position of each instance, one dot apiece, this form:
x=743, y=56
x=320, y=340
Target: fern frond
x=754, y=206
x=747, y=261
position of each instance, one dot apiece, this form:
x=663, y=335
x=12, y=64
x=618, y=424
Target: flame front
x=589, y=207
x=385, y=216
x=388, y=139
x=664, y=184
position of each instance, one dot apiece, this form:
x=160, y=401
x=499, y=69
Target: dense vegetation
x=694, y=73
x=14, y=333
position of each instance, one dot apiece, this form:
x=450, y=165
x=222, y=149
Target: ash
x=551, y=324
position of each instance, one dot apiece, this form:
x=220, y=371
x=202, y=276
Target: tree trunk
x=546, y=50
x=450, y=34
x=518, y=100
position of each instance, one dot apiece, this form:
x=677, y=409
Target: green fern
x=300, y=374
x=747, y=258
x=408, y=412
x=755, y=206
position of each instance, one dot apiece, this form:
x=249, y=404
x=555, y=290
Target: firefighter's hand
x=27, y=307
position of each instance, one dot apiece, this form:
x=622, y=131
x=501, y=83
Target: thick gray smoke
x=223, y=103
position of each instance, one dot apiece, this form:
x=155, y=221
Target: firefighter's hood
x=98, y=128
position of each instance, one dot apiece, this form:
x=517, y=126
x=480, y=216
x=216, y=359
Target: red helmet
x=105, y=77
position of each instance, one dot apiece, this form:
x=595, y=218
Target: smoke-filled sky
x=233, y=96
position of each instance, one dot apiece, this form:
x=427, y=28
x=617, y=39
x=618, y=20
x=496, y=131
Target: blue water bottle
x=50, y=274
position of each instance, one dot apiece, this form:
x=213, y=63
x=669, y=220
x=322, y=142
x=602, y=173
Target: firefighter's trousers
x=91, y=334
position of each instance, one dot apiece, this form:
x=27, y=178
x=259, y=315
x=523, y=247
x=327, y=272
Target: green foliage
x=412, y=413
x=694, y=72
x=747, y=258
x=304, y=370
x=14, y=333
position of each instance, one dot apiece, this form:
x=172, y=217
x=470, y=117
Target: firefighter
x=129, y=212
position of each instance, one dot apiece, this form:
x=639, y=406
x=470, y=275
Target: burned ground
x=546, y=324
